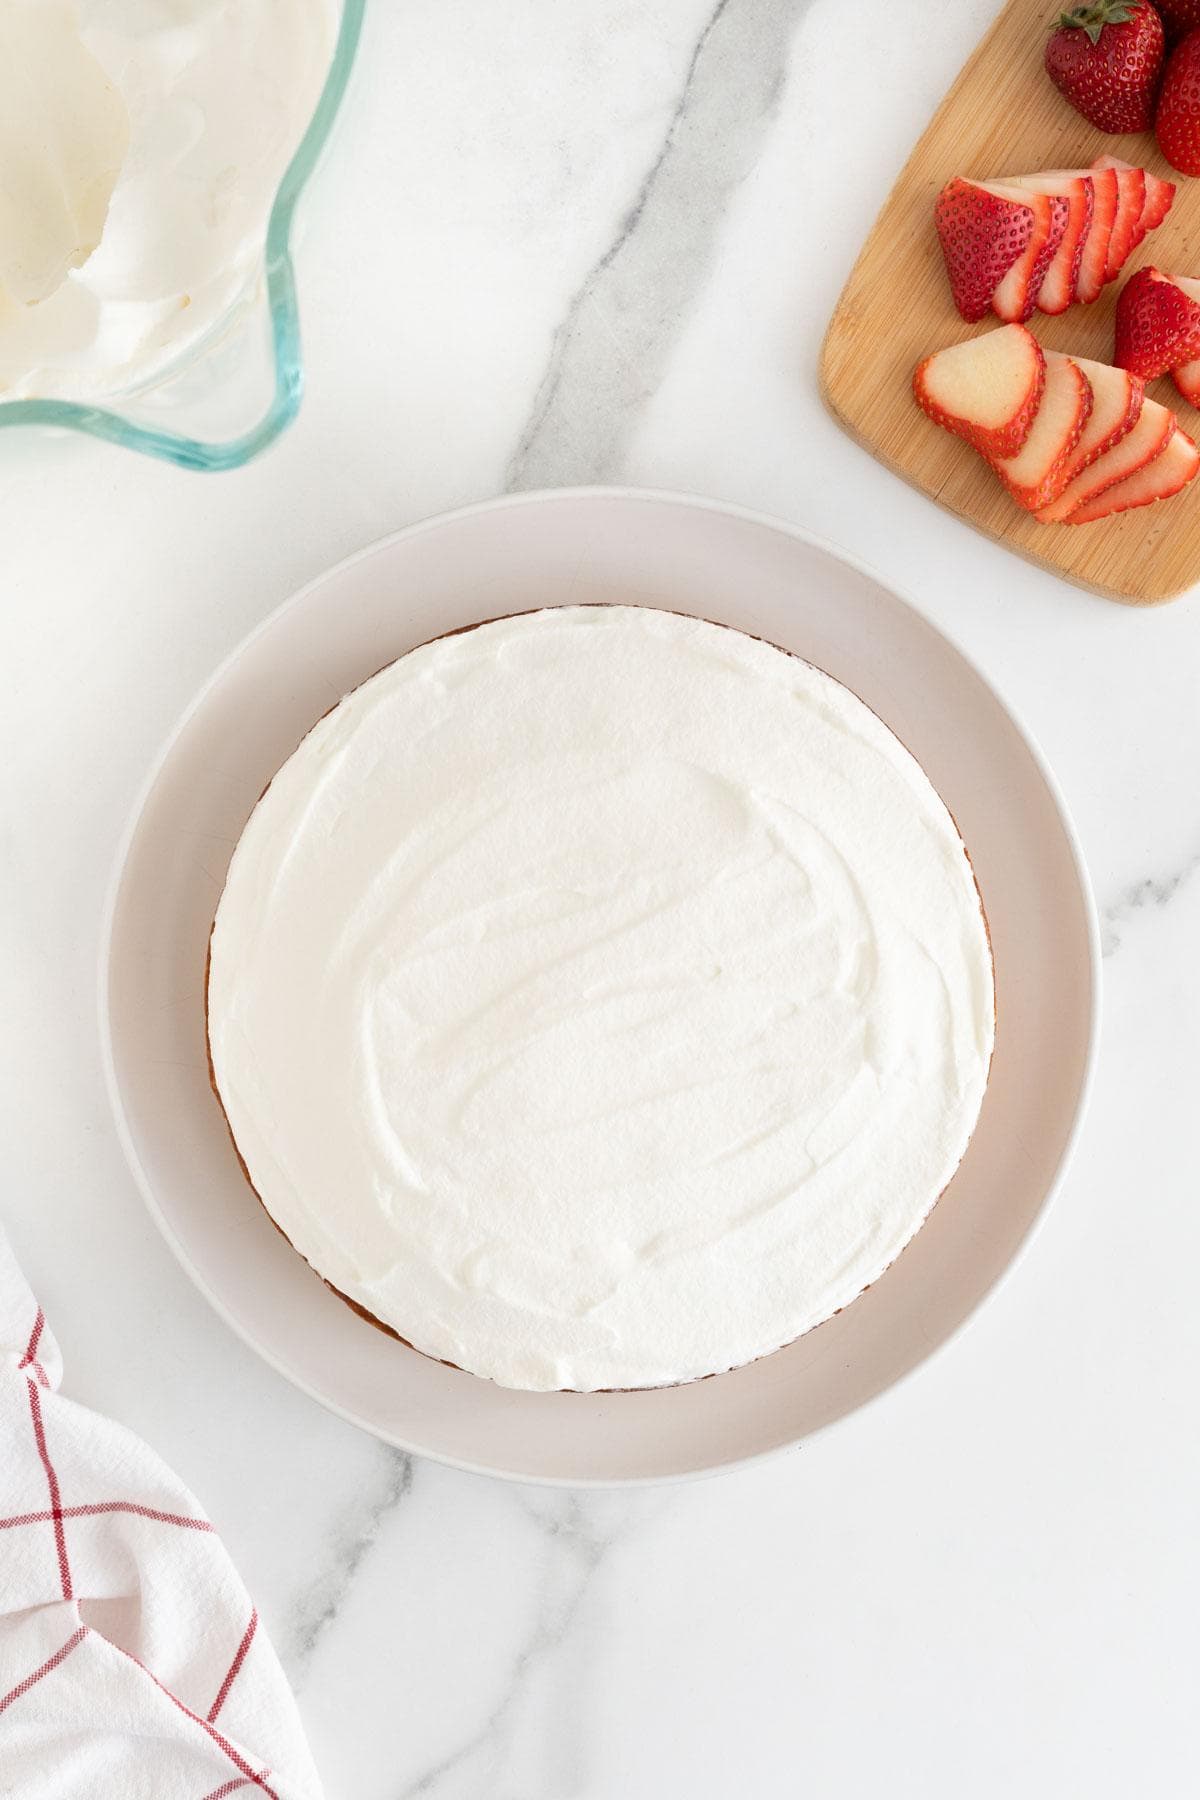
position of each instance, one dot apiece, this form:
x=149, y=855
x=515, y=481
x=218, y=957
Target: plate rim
x=541, y=497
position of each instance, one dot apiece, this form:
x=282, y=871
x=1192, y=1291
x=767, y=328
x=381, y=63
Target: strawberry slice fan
x=132, y=1665
x=1072, y=440
x=1021, y=244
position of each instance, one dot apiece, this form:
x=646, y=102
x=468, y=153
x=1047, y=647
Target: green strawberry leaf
x=1095, y=16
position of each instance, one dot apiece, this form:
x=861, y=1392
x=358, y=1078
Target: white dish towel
x=132, y=1666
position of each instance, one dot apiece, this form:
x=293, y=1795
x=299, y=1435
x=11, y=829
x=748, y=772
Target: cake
x=600, y=998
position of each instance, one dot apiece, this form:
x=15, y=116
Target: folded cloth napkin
x=132, y=1664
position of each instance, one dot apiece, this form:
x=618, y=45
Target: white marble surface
x=567, y=240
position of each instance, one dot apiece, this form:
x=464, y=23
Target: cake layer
x=601, y=998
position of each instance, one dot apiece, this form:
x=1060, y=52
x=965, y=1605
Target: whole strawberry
x=1178, y=16
x=1178, y=120
x=1157, y=324
x=1106, y=58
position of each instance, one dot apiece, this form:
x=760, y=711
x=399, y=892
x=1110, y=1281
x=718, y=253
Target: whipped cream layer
x=142, y=144
x=601, y=998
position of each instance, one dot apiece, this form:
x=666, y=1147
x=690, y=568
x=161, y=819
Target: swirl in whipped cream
x=601, y=998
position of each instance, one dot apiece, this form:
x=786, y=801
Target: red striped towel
x=132, y=1666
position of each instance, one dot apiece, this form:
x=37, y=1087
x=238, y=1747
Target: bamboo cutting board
x=1004, y=117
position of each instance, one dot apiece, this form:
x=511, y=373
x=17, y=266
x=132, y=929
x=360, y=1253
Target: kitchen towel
x=132, y=1663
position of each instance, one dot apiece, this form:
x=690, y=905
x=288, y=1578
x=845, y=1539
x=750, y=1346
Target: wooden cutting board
x=1004, y=117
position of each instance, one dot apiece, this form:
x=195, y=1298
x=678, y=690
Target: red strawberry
x=1179, y=16
x=1177, y=122
x=982, y=235
x=1105, y=58
x=1158, y=325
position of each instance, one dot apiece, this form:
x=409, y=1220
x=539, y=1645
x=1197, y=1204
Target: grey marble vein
x=577, y=1546
x=610, y=350
x=321, y=1602
x=1150, y=893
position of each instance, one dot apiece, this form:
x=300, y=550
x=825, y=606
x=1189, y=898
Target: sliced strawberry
x=1080, y=260
x=1060, y=219
x=986, y=390
x=1157, y=325
x=1116, y=406
x=1187, y=380
x=1036, y=475
x=1176, y=464
x=1157, y=200
x=1126, y=234
x=1058, y=288
x=1137, y=448
x=1160, y=197
x=982, y=234
x=1016, y=297
x=1106, y=201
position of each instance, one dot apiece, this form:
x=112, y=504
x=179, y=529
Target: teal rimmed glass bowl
x=233, y=392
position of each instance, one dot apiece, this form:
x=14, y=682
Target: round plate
x=508, y=556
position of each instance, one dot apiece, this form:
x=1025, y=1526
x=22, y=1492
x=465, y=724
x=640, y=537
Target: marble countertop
x=587, y=242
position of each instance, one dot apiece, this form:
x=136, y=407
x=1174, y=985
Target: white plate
x=542, y=550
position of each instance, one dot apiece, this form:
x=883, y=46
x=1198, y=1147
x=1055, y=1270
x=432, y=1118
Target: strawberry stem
x=1095, y=16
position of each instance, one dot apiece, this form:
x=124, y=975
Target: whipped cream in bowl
x=152, y=152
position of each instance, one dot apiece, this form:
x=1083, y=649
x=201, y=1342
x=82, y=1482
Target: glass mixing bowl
x=233, y=391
